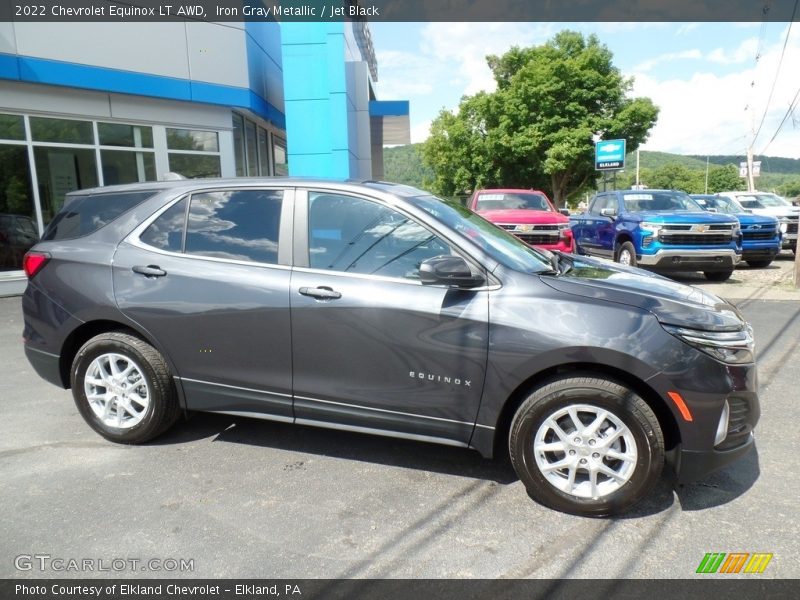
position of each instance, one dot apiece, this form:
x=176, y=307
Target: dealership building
x=88, y=104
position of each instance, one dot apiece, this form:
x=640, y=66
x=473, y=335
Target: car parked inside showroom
x=528, y=214
x=379, y=308
x=772, y=205
x=761, y=234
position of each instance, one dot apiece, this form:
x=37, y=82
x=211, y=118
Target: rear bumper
x=691, y=260
x=46, y=365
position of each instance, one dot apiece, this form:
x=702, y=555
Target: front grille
x=758, y=235
x=688, y=227
x=534, y=239
x=696, y=239
x=791, y=227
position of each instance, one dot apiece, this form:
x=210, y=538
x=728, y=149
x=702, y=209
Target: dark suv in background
x=379, y=308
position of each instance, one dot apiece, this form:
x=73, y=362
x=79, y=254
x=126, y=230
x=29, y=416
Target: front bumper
x=692, y=465
x=789, y=241
x=691, y=260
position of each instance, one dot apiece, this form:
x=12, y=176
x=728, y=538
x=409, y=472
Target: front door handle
x=321, y=293
x=149, y=270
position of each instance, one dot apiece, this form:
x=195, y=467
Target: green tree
x=791, y=188
x=724, y=179
x=675, y=176
x=537, y=128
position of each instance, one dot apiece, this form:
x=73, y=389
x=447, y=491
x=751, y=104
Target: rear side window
x=82, y=215
x=166, y=232
x=237, y=225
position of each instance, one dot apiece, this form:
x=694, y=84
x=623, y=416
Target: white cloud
x=746, y=51
x=668, y=57
x=420, y=132
x=686, y=28
x=705, y=113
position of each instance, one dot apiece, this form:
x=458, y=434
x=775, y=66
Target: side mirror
x=448, y=270
x=712, y=209
x=564, y=211
x=608, y=212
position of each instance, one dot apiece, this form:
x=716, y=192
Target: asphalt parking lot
x=246, y=498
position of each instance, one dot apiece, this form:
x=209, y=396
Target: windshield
x=720, y=204
x=501, y=246
x=763, y=201
x=513, y=201
x=659, y=202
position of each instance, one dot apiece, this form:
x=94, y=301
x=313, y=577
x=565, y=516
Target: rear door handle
x=321, y=293
x=149, y=270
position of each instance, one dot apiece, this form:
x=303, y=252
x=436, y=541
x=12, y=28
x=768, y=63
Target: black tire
x=624, y=406
x=162, y=409
x=759, y=264
x=718, y=275
x=626, y=249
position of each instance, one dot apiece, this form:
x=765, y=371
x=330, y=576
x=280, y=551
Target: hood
x=752, y=219
x=672, y=303
x=778, y=211
x=678, y=217
x=517, y=215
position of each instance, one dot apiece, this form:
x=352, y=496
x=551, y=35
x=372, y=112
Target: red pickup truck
x=528, y=214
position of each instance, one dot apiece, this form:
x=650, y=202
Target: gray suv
x=378, y=308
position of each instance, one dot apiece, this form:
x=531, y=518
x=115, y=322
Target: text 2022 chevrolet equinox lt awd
x=379, y=308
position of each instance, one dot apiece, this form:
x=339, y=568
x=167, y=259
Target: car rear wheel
x=759, y=264
x=123, y=388
x=626, y=254
x=586, y=446
x=718, y=275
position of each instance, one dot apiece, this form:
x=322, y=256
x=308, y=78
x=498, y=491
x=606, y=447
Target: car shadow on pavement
x=723, y=486
x=339, y=444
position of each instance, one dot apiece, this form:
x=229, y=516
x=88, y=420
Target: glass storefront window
x=279, y=154
x=194, y=165
x=18, y=230
x=120, y=166
x=64, y=131
x=263, y=152
x=12, y=127
x=252, y=152
x=62, y=170
x=238, y=143
x=125, y=136
x=189, y=139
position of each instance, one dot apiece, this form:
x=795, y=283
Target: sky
x=715, y=83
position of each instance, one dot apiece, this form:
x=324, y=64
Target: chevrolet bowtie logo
x=700, y=228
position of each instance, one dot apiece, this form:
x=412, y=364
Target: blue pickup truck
x=662, y=230
x=761, y=234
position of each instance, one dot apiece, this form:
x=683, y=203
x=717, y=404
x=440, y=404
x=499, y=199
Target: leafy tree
x=724, y=179
x=677, y=177
x=537, y=129
x=791, y=188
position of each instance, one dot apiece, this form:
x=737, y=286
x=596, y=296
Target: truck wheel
x=586, y=446
x=718, y=275
x=759, y=264
x=626, y=254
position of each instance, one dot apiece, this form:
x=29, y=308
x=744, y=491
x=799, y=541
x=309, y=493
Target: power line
x=777, y=72
x=789, y=112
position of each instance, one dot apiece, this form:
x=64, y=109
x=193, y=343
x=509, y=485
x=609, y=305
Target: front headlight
x=784, y=226
x=652, y=228
x=732, y=347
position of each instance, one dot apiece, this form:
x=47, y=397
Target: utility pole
x=637, y=169
x=751, y=186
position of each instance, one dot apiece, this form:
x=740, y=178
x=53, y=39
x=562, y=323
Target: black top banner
x=401, y=10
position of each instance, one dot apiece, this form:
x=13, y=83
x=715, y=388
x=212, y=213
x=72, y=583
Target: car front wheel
x=123, y=388
x=626, y=255
x=718, y=275
x=586, y=446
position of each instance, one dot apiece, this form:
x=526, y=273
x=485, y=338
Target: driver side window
x=354, y=235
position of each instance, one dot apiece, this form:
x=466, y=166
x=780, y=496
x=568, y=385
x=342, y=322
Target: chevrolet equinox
x=378, y=308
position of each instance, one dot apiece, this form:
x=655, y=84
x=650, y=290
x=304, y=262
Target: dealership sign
x=609, y=155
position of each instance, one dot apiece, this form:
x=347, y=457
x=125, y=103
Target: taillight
x=33, y=262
